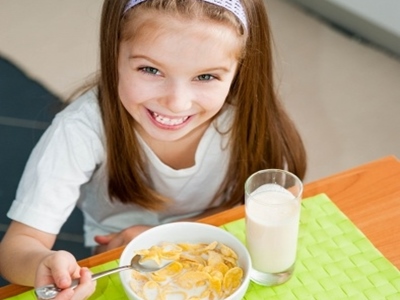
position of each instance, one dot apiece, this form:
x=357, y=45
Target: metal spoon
x=50, y=291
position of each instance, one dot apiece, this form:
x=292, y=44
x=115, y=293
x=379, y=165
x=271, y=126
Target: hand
x=114, y=240
x=60, y=268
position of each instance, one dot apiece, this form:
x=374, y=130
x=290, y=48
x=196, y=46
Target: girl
x=183, y=111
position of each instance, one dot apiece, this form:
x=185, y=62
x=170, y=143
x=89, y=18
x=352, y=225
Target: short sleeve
x=63, y=160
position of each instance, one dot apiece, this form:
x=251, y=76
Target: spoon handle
x=50, y=291
x=105, y=273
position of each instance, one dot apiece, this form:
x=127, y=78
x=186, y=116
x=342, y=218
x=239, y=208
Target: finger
x=117, y=241
x=109, y=241
x=57, y=268
x=63, y=267
x=86, y=285
x=104, y=239
x=66, y=294
x=86, y=275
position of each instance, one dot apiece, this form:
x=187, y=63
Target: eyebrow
x=208, y=70
x=144, y=57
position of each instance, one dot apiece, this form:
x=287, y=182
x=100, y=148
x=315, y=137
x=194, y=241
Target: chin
x=168, y=136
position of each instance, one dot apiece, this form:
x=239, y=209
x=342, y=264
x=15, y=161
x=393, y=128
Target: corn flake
x=198, y=272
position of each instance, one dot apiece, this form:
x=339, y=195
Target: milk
x=272, y=222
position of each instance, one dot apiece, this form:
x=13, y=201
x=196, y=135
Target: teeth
x=168, y=121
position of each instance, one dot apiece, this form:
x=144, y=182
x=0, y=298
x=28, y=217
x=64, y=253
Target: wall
x=376, y=21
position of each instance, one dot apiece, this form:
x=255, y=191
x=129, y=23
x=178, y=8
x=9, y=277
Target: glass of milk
x=272, y=202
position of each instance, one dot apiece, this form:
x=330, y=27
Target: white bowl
x=185, y=232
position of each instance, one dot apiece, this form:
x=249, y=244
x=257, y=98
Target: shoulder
x=76, y=130
x=86, y=105
x=83, y=115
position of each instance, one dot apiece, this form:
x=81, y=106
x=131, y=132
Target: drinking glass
x=272, y=205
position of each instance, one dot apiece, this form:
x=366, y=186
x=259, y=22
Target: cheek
x=123, y=87
x=211, y=105
x=127, y=89
x=130, y=101
x=217, y=98
x=129, y=93
x=124, y=97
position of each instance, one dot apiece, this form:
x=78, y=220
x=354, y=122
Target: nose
x=178, y=97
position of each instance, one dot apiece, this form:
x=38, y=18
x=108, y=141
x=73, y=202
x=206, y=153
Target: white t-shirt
x=67, y=168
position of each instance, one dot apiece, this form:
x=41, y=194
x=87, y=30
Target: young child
x=183, y=111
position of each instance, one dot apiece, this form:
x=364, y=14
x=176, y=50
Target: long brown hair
x=262, y=135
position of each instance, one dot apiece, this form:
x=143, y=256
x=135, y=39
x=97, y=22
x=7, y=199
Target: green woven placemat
x=335, y=261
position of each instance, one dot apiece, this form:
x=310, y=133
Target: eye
x=205, y=77
x=150, y=70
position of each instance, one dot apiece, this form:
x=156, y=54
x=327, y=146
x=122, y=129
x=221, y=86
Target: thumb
x=62, y=266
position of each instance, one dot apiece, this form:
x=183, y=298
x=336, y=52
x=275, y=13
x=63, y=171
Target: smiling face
x=175, y=74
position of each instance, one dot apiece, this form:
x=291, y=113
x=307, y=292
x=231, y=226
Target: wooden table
x=369, y=195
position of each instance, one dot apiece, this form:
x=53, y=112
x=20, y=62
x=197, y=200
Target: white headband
x=233, y=6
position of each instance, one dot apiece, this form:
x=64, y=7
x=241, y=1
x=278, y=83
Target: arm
x=21, y=251
x=118, y=239
x=26, y=259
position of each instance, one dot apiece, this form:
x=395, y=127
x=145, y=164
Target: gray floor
x=342, y=92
